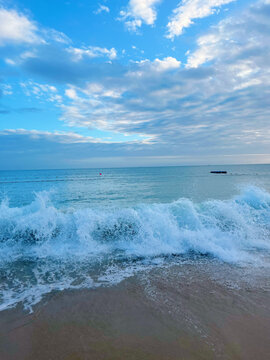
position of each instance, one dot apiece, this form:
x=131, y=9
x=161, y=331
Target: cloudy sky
x=134, y=83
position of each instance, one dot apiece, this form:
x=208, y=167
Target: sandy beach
x=181, y=312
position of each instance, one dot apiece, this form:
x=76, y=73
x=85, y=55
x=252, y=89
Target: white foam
x=43, y=248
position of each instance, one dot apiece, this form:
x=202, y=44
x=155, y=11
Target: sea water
x=83, y=228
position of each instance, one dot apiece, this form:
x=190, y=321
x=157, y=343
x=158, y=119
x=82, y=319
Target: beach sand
x=181, y=312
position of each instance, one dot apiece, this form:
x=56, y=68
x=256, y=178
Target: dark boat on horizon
x=218, y=172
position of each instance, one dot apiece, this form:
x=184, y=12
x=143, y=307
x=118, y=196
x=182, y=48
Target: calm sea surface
x=130, y=186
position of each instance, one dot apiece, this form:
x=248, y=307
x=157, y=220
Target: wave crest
x=222, y=228
x=39, y=239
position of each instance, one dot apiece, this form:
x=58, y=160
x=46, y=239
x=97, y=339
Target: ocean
x=88, y=228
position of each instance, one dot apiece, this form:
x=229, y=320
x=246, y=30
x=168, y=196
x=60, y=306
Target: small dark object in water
x=218, y=172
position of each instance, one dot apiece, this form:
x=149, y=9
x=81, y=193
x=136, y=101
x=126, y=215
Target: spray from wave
x=44, y=249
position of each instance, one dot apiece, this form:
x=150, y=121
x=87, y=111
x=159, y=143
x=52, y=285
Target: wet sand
x=181, y=312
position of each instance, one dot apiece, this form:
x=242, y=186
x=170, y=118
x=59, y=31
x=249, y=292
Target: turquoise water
x=69, y=229
x=130, y=186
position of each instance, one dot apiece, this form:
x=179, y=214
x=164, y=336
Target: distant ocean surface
x=73, y=229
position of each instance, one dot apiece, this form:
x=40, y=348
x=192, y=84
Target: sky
x=115, y=83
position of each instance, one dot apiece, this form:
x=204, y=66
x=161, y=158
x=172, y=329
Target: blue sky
x=134, y=83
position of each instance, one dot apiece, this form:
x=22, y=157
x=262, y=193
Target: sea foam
x=43, y=248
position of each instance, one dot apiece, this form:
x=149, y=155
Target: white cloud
x=21, y=58
x=207, y=50
x=92, y=52
x=138, y=12
x=90, y=103
x=158, y=65
x=41, y=91
x=215, y=104
x=10, y=61
x=6, y=89
x=218, y=106
x=57, y=36
x=188, y=10
x=66, y=137
x=168, y=63
x=71, y=93
x=17, y=28
x=238, y=46
x=98, y=90
x=62, y=137
x=102, y=8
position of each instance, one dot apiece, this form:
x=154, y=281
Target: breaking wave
x=43, y=248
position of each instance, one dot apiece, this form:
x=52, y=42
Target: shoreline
x=174, y=313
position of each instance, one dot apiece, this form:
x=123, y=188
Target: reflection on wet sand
x=192, y=311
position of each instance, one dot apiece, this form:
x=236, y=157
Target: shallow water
x=62, y=229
